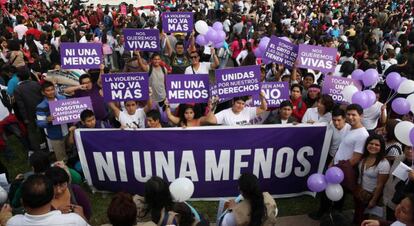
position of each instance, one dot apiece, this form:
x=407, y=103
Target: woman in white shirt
x=321, y=113
x=373, y=174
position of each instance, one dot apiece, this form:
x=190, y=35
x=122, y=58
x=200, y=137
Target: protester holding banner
x=186, y=117
x=339, y=129
x=238, y=114
x=56, y=134
x=157, y=74
x=154, y=119
x=133, y=117
x=312, y=95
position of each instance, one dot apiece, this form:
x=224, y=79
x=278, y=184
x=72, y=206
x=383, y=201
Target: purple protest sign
x=240, y=81
x=125, y=86
x=187, y=88
x=127, y=159
x=334, y=85
x=177, y=22
x=281, y=51
x=317, y=58
x=80, y=55
x=68, y=110
x=142, y=39
x=274, y=92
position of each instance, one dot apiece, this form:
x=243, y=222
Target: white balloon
x=201, y=27
x=348, y=91
x=3, y=195
x=334, y=192
x=402, y=132
x=406, y=87
x=410, y=100
x=182, y=189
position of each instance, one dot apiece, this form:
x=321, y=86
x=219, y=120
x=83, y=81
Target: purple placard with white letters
x=142, y=39
x=317, y=58
x=212, y=157
x=334, y=85
x=177, y=22
x=80, y=55
x=240, y=81
x=281, y=51
x=274, y=93
x=125, y=86
x=187, y=88
x=68, y=110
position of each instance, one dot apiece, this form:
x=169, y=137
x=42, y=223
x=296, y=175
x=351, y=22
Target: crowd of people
x=367, y=34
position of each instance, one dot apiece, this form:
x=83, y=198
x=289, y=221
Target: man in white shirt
x=378, y=111
x=133, y=117
x=349, y=154
x=37, y=196
x=198, y=67
x=238, y=114
x=339, y=129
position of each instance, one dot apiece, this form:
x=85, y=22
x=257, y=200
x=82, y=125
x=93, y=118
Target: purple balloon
x=221, y=36
x=400, y=106
x=393, y=80
x=334, y=175
x=372, y=97
x=211, y=35
x=201, y=40
x=357, y=74
x=263, y=43
x=218, y=26
x=258, y=53
x=316, y=182
x=412, y=136
x=360, y=98
x=370, y=77
x=218, y=44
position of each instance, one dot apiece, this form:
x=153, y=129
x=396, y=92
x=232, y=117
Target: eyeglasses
x=193, y=57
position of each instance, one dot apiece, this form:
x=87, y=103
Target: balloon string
x=389, y=95
x=392, y=96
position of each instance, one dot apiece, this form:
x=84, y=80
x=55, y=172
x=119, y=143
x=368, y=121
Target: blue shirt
x=12, y=84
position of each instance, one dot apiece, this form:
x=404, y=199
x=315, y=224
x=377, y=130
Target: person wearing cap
x=283, y=115
x=198, y=67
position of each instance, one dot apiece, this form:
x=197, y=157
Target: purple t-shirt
x=98, y=103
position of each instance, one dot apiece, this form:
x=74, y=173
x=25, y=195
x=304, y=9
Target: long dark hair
x=250, y=189
x=157, y=196
x=185, y=214
x=381, y=154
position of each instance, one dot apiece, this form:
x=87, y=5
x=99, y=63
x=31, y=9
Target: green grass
x=100, y=201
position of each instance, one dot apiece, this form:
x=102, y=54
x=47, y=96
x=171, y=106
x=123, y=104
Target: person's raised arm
x=263, y=105
x=101, y=72
x=168, y=48
x=114, y=108
x=192, y=46
x=148, y=106
x=141, y=63
x=216, y=61
x=70, y=91
x=170, y=116
x=210, y=118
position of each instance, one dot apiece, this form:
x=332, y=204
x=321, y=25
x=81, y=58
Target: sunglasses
x=193, y=57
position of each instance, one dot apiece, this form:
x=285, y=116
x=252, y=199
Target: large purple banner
x=80, y=55
x=187, y=88
x=125, y=86
x=177, y=22
x=317, y=58
x=281, y=51
x=142, y=39
x=240, y=81
x=212, y=157
x=334, y=86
